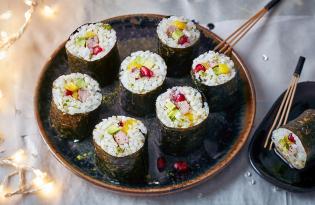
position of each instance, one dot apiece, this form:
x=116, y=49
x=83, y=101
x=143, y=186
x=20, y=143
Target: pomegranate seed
x=181, y=166
x=146, y=72
x=199, y=67
x=183, y=39
x=120, y=124
x=291, y=138
x=97, y=50
x=179, y=97
x=161, y=163
x=68, y=92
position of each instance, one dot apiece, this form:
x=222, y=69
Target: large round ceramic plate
x=138, y=32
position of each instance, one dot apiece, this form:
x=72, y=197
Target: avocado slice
x=148, y=63
x=80, y=41
x=113, y=129
x=170, y=106
x=177, y=34
x=81, y=83
x=172, y=114
x=221, y=69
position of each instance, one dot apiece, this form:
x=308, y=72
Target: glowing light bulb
x=18, y=156
x=48, y=188
x=27, y=15
x=6, y=15
x=3, y=55
x=48, y=11
x=28, y=2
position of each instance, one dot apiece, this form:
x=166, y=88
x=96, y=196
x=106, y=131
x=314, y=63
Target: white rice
x=295, y=155
x=208, y=77
x=198, y=108
x=136, y=135
x=132, y=81
x=190, y=31
x=107, y=39
x=70, y=105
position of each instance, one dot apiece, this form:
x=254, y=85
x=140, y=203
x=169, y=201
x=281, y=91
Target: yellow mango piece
x=89, y=34
x=190, y=116
x=224, y=69
x=72, y=87
x=179, y=24
x=127, y=124
x=134, y=64
x=75, y=95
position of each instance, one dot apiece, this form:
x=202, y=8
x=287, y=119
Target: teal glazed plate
x=267, y=163
x=138, y=32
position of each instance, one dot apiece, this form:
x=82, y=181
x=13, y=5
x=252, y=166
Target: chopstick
x=284, y=109
x=227, y=45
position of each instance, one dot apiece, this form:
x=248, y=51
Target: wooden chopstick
x=227, y=45
x=285, y=107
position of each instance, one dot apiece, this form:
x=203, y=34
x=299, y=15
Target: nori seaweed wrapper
x=221, y=96
x=131, y=168
x=181, y=141
x=304, y=128
x=77, y=126
x=178, y=60
x=139, y=104
x=104, y=70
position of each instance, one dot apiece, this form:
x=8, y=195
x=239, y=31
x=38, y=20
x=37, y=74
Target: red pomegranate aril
x=181, y=166
x=291, y=138
x=146, y=72
x=199, y=67
x=183, y=39
x=97, y=50
x=120, y=124
x=161, y=163
x=180, y=97
x=68, y=92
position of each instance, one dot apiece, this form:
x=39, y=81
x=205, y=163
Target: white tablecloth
x=283, y=36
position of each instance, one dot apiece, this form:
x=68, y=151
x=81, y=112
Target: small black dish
x=266, y=163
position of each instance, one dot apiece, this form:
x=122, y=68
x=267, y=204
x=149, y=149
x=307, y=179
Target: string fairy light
x=6, y=40
x=40, y=181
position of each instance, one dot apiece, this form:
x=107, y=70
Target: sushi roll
x=295, y=141
x=182, y=113
x=76, y=97
x=178, y=42
x=215, y=75
x=121, y=148
x=142, y=75
x=92, y=49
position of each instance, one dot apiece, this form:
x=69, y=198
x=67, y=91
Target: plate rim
x=263, y=174
x=230, y=155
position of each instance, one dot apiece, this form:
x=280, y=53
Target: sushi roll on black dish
x=182, y=112
x=92, y=49
x=121, y=148
x=178, y=42
x=142, y=75
x=295, y=141
x=76, y=97
x=215, y=75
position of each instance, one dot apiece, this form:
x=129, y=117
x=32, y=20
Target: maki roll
x=215, y=75
x=295, y=141
x=182, y=112
x=121, y=148
x=92, y=49
x=178, y=41
x=75, y=99
x=142, y=75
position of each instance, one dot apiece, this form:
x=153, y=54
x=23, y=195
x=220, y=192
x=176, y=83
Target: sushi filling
x=142, y=72
x=92, y=42
x=76, y=93
x=289, y=146
x=120, y=136
x=181, y=107
x=177, y=32
x=213, y=68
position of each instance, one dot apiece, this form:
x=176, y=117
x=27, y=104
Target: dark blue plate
x=267, y=163
x=138, y=32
